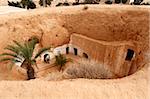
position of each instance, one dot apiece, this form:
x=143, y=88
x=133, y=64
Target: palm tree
x=23, y=53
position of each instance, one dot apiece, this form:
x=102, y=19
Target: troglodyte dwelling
x=116, y=37
x=119, y=56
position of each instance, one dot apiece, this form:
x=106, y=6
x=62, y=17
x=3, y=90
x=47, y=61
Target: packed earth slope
x=132, y=87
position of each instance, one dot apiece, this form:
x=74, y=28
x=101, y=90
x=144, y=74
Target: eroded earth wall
x=54, y=26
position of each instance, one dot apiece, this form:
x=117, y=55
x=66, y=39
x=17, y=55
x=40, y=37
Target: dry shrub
x=87, y=69
x=54, y=76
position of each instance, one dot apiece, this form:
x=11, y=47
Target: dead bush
x=87, y=69
x=54, y=76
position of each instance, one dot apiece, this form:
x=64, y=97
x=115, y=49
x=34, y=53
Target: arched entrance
x=75, y=51
x=130, y=54
x=85, y=55
x=67, y=50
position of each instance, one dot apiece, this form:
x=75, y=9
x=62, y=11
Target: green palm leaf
x=9, y=54
x=18, y=44
x=41, y=51
x=13, y=49
x=31, y=46
x=7, y=59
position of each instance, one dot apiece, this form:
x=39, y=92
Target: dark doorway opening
x=85, y=55
x=130, y=54
x=46, y=58
x=75, y=51
x=67, y=50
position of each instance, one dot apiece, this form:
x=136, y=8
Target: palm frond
x=17, y=43
x=41, y=51
x=28, y=48
x=13, y=49
x=7, y=59
x=9, y=54
x=31, y=45
x=17, y=58
x=26, y=51
x=23, y=49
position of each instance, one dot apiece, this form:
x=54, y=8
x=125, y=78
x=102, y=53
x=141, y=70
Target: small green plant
x=61, y=60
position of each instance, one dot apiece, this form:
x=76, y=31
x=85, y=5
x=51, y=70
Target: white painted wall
x=19, y=63
x=71, y=49
x=60, y=50
x=145, y=2
x=131, y=1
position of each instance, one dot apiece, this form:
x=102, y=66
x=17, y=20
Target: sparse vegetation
x=17, y=4
x=91, y=1
x=54, y=76
x=29, y=4
x=61, y=60
x=62, y=4
x=23, y=53
x=47, y=2
x=87, y=69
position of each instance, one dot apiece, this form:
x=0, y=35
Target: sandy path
x=132, y=87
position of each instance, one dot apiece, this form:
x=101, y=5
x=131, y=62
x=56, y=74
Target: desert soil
x=132, y=87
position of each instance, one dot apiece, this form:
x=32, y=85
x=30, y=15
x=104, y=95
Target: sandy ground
x=8, y=9
x=132, y=87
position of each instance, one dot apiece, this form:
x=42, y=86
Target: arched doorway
x=130, y=54
x=85, y=55
x=75, y=51
x=67, y=50
x=47, y=58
